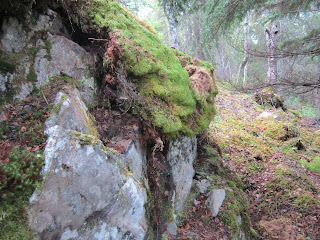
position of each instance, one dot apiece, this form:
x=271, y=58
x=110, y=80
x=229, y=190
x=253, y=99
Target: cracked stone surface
x=87, y=191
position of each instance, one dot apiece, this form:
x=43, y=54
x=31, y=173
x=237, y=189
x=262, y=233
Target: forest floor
x=278, y=160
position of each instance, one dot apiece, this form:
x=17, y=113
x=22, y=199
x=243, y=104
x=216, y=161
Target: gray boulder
x=88, y=191
x=38, y=52
x=14, y=36
x=215, y=200
x=203, y=185
x=181, y=154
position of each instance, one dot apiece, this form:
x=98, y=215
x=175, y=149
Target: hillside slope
x=277, y=158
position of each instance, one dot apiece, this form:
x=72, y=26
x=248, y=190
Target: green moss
x=88, y=139
x=33, y=53
x=237, y=205
x=156, y=71
x=229, y=218
x=84, y=139
x=232, y=185
x=31, y=77
x=296, y=113
x=313, y=166
x=6, y=67
x=57, y=107
x=13, y=219
x=90, y=124
x=47, y=46
x=236, y=202
x=108, y=149
x=286, y=186
x=305, y=201
x=64, y=78
x=164, y=237
x=316, y=142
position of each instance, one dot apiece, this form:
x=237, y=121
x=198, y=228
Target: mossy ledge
x=166, y=91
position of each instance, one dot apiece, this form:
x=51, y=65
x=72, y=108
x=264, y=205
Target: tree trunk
x=172, y=25
x=243, y=69
x=317, y=99
x=272, y=45
x=197, y=34
x=187, y=36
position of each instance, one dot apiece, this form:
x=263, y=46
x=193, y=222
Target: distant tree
x=301, y=47
x=243, y=69
x=197, y=29
x=172, y=10
x=271, y=33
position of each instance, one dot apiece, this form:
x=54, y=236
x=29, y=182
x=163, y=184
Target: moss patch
x=288, y=186
x=236, y=202
x=6, y=67
x=22, y=142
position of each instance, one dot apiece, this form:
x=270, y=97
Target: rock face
x=215, y=200
x=66, y=57
x=40, y=53
x=88, y=191
x=181, y=154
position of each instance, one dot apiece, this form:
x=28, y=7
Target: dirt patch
x=116, y=130
x=199, y=224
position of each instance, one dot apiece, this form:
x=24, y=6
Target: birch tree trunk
x=187, y=35
x=197, y=34
x=272, y=45
x=172, y=25
x=243, y=69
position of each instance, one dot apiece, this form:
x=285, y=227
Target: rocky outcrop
x=39, y=52
x=92, y=192
x=88, y=191
x=181, y=154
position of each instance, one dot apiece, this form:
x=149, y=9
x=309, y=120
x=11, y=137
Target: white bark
x=172, y=25
x=187, y=36
x=243, y=69
x=272, y=46
x=197, y=34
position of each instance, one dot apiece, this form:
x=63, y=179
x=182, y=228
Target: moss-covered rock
x=169, y=97
x=268, y=97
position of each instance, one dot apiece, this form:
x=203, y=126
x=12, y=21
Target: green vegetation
x=57, y=107
x=302, y=108
x=288, y=186
x=22, y=176
x=271, y=156
x=22, y=142
x=313, y=166
x=6, y=67
x=236, y=202
x=155, y=69
x=47, y=46
x=4, y=129
x=21, y=172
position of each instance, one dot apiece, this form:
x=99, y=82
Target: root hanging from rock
x=201, y=80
